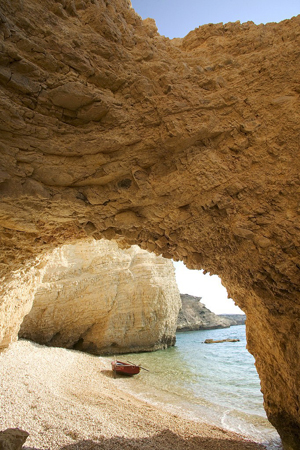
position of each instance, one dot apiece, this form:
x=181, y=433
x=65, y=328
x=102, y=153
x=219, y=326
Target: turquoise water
x=217, y=383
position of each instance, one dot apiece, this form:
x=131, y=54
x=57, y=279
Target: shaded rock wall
x=194, y=315
x=98, y=298
x=17, y=298
x=189, y=148
x=13, y=438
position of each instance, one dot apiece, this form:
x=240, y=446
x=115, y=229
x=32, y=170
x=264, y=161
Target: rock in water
x=99, y=298
x=213, y=341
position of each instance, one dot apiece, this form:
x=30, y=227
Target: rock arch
x=187, y=147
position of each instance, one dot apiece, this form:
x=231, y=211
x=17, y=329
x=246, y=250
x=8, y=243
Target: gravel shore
x=68, y=400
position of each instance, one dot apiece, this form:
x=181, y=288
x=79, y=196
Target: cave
x=188, y=148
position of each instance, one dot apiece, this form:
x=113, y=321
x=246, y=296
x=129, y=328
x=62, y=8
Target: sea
x=214, y=383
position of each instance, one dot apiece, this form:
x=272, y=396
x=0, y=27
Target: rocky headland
x=193, y=315
x=187, y=147
x=234, y=319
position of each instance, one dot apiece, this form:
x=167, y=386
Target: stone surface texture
x=194, y=315
x=12, y=439
x=188, y=147
x=101, y=299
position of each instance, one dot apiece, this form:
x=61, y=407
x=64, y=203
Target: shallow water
x=217, y=383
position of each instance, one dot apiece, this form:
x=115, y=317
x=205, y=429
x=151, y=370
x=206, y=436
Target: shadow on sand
x=107, y=373
x=165, y=440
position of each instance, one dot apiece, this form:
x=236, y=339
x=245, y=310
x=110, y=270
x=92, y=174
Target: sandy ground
x=69, y=400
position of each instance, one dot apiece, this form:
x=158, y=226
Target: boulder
x=12, y=439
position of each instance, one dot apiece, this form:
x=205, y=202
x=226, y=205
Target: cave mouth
x=189, y=346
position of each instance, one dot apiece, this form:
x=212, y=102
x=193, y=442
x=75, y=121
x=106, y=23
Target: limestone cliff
x=98, y=298
x=189, y=148
x=194, y=315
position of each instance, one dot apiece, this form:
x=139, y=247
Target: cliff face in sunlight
x=194, y=315
x=189, y=148
x=98, y=298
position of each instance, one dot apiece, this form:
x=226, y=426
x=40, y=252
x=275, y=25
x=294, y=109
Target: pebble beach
x=69, y=400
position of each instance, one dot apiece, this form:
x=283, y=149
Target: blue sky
x=175, y=18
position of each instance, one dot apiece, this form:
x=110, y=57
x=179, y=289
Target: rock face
x=12, y=439
x=194, y=315
x=187, y=147
x=98, y=298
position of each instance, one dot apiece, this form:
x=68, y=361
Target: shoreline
x=68, y=400
x=226, y=398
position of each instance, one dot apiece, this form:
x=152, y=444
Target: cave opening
x=224, y=374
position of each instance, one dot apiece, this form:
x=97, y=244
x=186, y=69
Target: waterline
x=215, y=383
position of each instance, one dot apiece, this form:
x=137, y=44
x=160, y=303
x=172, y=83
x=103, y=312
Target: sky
x=175, y=18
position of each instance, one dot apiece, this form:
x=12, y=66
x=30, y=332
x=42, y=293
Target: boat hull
x=125, y=368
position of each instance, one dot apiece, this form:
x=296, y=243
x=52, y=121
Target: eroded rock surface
x=12, y=439
x=194, y=315
x=98, y=298
x=189, y=148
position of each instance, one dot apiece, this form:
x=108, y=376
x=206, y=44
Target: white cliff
x=101, y=299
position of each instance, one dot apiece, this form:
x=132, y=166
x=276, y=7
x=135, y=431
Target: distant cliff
x=234, y=319
x=194, y=315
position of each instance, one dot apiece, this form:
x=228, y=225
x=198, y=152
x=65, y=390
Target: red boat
x=125, y=368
